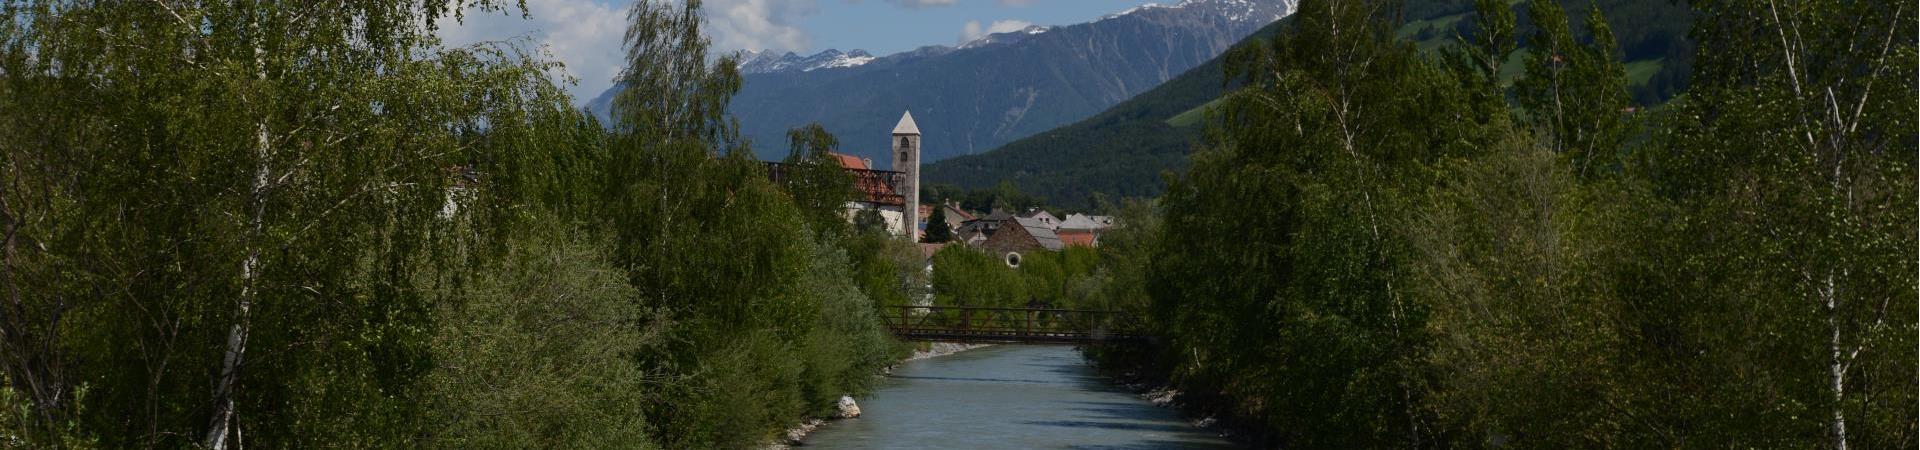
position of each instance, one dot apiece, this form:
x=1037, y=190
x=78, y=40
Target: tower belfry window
x=904, y=143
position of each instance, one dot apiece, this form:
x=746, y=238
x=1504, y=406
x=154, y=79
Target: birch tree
x=1574, y=93
x=1791, y=163
x=205, y=166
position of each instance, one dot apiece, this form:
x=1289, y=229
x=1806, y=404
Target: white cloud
x=972, y=30
x=589, y=35
x=758, y=24
x=1016, y=2
x=583, y=34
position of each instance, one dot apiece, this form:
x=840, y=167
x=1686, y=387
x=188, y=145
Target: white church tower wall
x=906, y=159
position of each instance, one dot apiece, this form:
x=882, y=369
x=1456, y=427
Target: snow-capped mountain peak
x=1262, y=11
x=1239, y=13
x=1006, y=36
x=770, y=62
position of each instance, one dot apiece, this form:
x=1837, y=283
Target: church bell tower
x=906, y=159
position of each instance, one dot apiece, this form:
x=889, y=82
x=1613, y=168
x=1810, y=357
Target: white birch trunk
x=1837, y=367
x=237, y=335
x=235, y=358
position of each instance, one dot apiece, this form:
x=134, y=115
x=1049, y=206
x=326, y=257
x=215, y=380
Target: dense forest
x=1376, y=247
x=310, y=224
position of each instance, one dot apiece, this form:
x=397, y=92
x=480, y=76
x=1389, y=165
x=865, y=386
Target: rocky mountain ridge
x=983, y=93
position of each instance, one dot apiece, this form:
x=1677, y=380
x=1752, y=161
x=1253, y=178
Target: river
x=1008, y=396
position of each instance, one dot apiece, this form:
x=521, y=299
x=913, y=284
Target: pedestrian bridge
x=1010, y=325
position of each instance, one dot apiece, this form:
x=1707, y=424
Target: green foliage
x=1576, y=94
x=849, y=344
x=1512, y=254
x=1124, y=152
x=193, y=182
x=888, y=270
x=966, y=276
x=1377, y=250
x=1004, y=196
x=869, y=221
x=309, y=225
x=722, y=253
x=937, y=229
x=1319, y=285
x=549, y=329
x=819, y=186
x=1783, y=226
x=1126, y=251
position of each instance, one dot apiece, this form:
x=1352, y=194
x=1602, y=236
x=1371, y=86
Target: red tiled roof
x=850, y=162
x=1083, y=238
x=871, y=187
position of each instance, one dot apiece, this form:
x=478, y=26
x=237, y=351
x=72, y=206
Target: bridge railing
x=980, y=323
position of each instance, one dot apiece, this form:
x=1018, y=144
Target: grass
x=1638, y=72
x=1192, y=116
x=1441, y=23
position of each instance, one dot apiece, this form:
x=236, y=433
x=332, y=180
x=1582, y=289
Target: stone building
x=1021, y=236
x=906, y=160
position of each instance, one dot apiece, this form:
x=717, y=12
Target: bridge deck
x=1010, y=325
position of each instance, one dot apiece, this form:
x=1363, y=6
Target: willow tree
x=193, y=182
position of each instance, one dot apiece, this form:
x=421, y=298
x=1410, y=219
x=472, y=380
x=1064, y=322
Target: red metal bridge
x=1010, y=325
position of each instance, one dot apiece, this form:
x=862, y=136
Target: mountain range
x=984, y=93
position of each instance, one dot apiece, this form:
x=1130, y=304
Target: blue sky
x=585, y=34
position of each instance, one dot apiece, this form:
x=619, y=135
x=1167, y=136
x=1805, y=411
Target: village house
x=1082, y=230
x=1019, y=236
x=1006, y=234
x=956, y=217
x=894, y=196
x=973, y=232
x=1040, y=215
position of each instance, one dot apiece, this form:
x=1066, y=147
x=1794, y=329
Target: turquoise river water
x=1009, y=396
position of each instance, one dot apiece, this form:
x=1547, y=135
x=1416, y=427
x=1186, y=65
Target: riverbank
x=937, y=349
x=1134, y=368
x=849, y=408
x=1198, y=412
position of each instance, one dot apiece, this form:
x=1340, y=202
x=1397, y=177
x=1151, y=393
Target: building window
x=904, y=143
x=903, y=156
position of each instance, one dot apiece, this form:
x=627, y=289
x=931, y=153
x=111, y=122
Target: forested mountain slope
x=1122, y=151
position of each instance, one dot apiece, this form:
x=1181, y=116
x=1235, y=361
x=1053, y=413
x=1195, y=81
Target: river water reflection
x=1010, y=396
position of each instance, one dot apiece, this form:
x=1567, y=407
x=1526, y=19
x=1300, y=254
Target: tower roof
x=906, y=125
